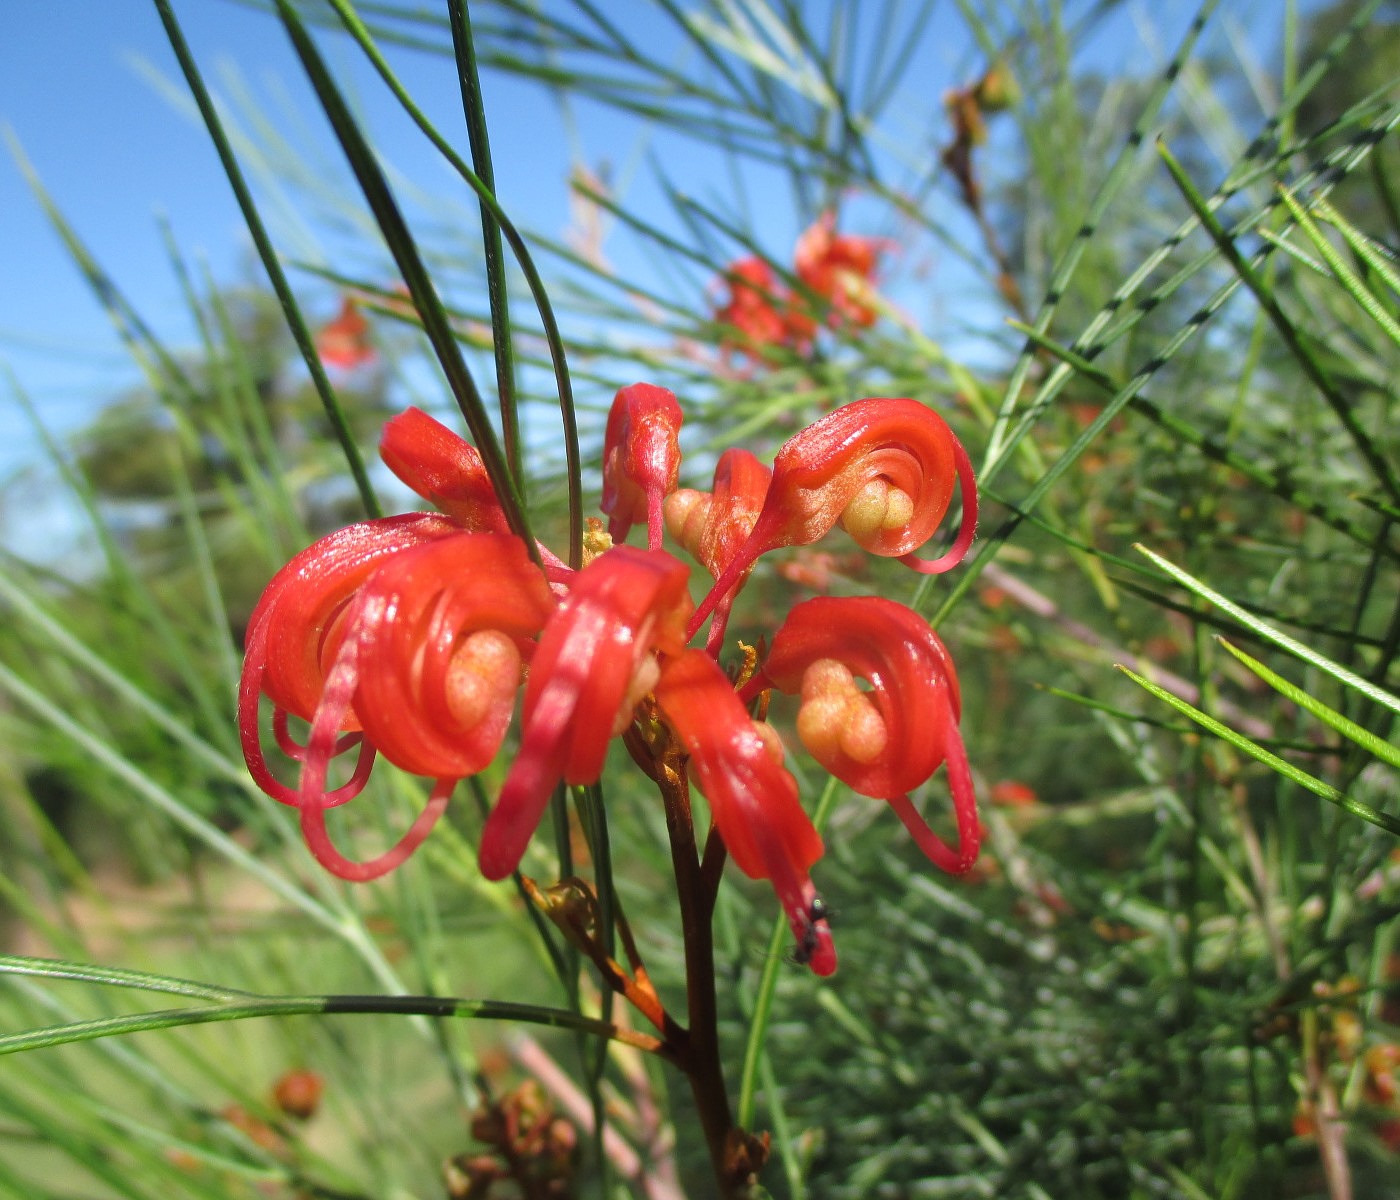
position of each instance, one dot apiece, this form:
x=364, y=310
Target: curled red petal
x=442, y=630
x=967, y=528
x=293, y=631
x=889, y=740
x=594, y=661
x=884, y=468
x=641, y=459
x=753, y=798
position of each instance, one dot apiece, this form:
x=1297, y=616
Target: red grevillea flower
x=883, y=468
x=594, y=662
x=344, y=342
x=712, y=526
x=760, y=311
x=840, y=268
x=641, y=459
x=889, y=740
x=753, y=797
x=407, y=635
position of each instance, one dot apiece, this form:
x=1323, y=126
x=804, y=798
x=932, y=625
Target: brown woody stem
x=735, y=1155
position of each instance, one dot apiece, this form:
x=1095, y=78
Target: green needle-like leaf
x=1328, y=716
x=553, y=337
x=415, y=273
x=1348, y=278
x=1273, y=761
x=268, y=255
x=1270, y=634
x=233, y=1005
x=1287, y=328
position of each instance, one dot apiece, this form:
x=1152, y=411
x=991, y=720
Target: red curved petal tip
x=317, y=838
x=443, y=468
x=753, y=798
x=888, y=740
x=811, y=926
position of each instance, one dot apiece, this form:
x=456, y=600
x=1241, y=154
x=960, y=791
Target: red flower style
x=594, y=663
x=840, y=267
x=641, y=459
x=344, y=342
x=753, y=797
x=712, y=526
x=889, y=740
x=882, y=468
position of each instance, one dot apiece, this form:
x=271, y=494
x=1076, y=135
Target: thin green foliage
x=1329, y=716
x=414, y=272
x=233, y=1005
x=1272, y=761
x=295, y=322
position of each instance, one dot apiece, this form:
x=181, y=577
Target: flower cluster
x=411, y=636
x=836, y=269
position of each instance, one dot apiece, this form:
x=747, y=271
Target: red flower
x=1012, y=793
x=841, y=269
x=889, y=740
x=760, y=311
x=641, y=459
x=883, y=469
x=344, y=342
x=594, y=662
x=404, y=636
x=753, y=798
x=409, y=636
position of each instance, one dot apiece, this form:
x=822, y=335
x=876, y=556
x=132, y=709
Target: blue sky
x=80, y=89
x=120, y=153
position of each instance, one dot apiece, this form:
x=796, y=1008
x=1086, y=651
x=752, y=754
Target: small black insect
x=816, y=912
